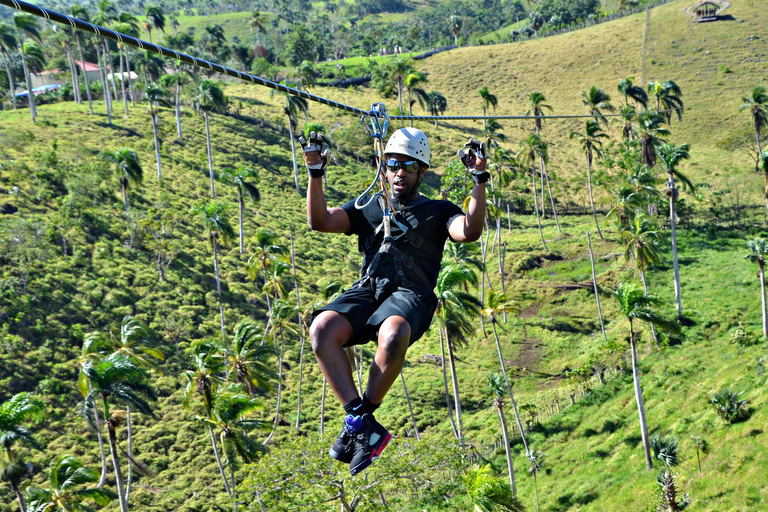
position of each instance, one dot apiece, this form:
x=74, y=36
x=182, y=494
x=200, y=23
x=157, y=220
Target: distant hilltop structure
x=707, y=10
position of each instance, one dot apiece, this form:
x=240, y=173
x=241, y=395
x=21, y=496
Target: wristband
x=316, y=173
x=480, y=177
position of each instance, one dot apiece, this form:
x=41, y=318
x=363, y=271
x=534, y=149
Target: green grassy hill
x=54, y=184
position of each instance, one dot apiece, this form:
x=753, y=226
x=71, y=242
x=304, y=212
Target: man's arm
x=320, y=217
x=334, y=220
x=469, y=227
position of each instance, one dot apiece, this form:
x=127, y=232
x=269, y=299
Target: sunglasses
x=410, y=166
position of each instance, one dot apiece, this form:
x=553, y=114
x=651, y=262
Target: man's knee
x=329, y=328
x=394, y=337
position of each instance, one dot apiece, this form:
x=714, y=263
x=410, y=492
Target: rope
x=212, y=66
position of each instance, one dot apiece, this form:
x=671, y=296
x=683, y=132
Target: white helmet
x=411, y=142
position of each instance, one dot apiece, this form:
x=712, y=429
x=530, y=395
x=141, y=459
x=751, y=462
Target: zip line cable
x=247, y=77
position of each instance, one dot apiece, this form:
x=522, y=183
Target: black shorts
x=366, y=314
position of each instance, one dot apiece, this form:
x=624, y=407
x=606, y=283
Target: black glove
x=475, y=160
x=316, y=154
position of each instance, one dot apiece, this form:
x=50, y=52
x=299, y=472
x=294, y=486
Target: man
x=393, y=302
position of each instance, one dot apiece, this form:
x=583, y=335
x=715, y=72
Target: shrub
x=728, y=406
x=742, y=337
x=665, y=449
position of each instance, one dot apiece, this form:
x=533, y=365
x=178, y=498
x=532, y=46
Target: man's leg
x=394, y=338
x=328, y=332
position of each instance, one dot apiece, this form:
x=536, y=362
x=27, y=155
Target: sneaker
x=369, y=441
x=343, y=448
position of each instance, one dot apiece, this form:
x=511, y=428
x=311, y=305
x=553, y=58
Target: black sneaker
x=343, y=448
x=369, y=441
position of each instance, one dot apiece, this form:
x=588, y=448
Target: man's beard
x=405, y=195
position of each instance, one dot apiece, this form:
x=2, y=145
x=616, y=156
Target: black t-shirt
x=426, y=217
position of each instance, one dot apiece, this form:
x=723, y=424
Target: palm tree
x=629, y=90
x=219, y=229
x=27, y=25
x=454, y=27
x=757, y=105
x=155, y=96
x=413, y=82
x=492, y=134
x=155, y=19
x=13, y=413
x=116, y=377
x=240, y=179
x=591, y=145
x=497, y=385
x=397, y=69
x=258, y=22
x=651, y=133
x=7, y=42
x=246, y=361
x=488, y=493
x=641, y=243
x=293, y=105
x=436, y=104
x=208, y=364
x=534, y=148
x=210, y=98
x=282, y=312
x=628, y=112
x=635, y=304
x=65, y=477
x=128, y=169
x=455, y=308
x=597, y=100
x=129, y=25
x=497, y=303
x=488, y=101
x=307, y=76
x=78, y=11
x=267, y=252
x=667, y=94
x=228, y=410
x=758, y=249
x=671, y=155
x=536, y=108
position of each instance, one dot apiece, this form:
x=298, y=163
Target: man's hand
x=316, y=154
x=474, y=158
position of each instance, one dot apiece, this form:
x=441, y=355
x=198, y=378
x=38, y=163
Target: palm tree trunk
x=157, y=139
x=214, y=240
x=218, y=460
x=483, y=274
x=10, y=77
x=279, y=389
x=759, y=149
x=96, y=422
x=293, y=152
x=300, y=320
x=301, y=374
x=111, y=69
x=445, y=383
x=30, y=94
x=241, y=207
x=128, y=71
x=551, y=199
x=85, y=73
x=116, y=465
x=104, y=86
x=675, y=264
x=19, y=496
x=639, y=399
x=594, y=283
x=178, y=108
x=210, y=157
x=507, y=448
x=536, y=207
x=125, y=193
x=322, y=407
x=400, y=96
x=410, y=407
x=509, y=390
x=591, y=198
x=129, y=435
x=541, y=177
x=653, y=329
x=122, y=80
x=73, y=72
x=765, y=306
x=456, y=399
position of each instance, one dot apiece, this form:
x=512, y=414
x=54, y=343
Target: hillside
x=56, y=188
